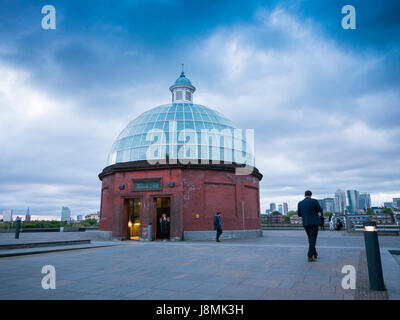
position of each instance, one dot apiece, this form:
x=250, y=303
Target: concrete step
x=38, y=250
x=36, y=244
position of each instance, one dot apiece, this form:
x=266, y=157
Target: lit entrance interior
x=133, y=206
x=163, y=205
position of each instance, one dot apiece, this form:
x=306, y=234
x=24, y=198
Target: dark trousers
x=312, y=233
x=219, y=232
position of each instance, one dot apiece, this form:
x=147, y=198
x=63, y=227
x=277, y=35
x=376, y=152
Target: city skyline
x=66, y=94
x=292, y=204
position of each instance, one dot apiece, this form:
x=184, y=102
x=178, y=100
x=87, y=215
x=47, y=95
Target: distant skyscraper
x=341, y=195
x=338, y=206
x=364, y=201
x=272, y=206
x=322, y=204
x=8, y=215
x=28, y=216
x=285, y=208
x=65, y=214
x=280, y=208
x=389, y=205
x=396, y=203
x=79, y=218
x=329, y=204
x=353, y=198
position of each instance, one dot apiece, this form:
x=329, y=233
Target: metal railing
x=388, y=227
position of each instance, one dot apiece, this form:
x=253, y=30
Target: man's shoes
x=311, y=259
x=315, y=256
x=218, y=240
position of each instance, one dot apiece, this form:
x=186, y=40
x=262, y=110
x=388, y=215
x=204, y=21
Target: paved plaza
x=271, y=267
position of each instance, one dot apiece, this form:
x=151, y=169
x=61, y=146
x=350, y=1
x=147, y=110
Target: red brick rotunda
x=183, y=161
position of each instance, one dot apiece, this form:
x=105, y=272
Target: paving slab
x=391, y=272
x=272, y=267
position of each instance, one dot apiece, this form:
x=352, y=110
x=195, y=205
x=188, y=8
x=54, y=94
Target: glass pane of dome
x=179, y=120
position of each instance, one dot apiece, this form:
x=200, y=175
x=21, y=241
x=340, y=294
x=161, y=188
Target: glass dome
x=182, y=127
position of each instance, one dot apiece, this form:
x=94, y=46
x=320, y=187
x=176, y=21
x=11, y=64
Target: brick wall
x=196, y=196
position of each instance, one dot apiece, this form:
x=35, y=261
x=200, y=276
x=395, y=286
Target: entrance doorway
x=133, y=206
x=163, y=205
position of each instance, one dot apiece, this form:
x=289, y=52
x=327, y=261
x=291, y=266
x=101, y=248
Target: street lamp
x=373, y=256
x=369, y=228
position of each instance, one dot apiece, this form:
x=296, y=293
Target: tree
x=287, y=219
x=89, y=222
x=327, y=213
x=370, y=211
x=387, y=210
x=291, y=213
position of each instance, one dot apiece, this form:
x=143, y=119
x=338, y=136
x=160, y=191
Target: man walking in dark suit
x=218, y=225
x=308, y=210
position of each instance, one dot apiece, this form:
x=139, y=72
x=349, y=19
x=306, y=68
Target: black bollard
x=373, y=256
x=17, y=227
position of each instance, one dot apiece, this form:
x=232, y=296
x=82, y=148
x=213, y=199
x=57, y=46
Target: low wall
x=227, y=234
x=95, y=235
x=58, y=236
x=282, y=227
x=66, y=229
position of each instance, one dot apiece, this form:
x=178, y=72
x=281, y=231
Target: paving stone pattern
x=272, y=267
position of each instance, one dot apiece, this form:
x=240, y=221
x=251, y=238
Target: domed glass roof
x=181, y=125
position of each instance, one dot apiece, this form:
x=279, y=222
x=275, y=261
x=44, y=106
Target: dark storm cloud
x=323, y=101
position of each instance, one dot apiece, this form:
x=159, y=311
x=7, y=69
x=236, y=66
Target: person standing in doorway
x=164, y=227
x=218, y=225
x=308, y=209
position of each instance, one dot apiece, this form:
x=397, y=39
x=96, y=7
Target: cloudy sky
x=324, y=101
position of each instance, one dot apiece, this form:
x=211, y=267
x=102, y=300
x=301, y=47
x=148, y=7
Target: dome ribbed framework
x=133, y=142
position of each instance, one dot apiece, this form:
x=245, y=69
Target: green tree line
x=52, y=224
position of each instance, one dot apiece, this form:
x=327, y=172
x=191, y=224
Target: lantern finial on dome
x=182, y=90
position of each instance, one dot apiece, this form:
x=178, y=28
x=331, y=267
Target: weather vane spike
x=182, y=67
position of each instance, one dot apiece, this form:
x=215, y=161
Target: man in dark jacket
x=308, y=209
x=164, y=227
x=218, y=225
